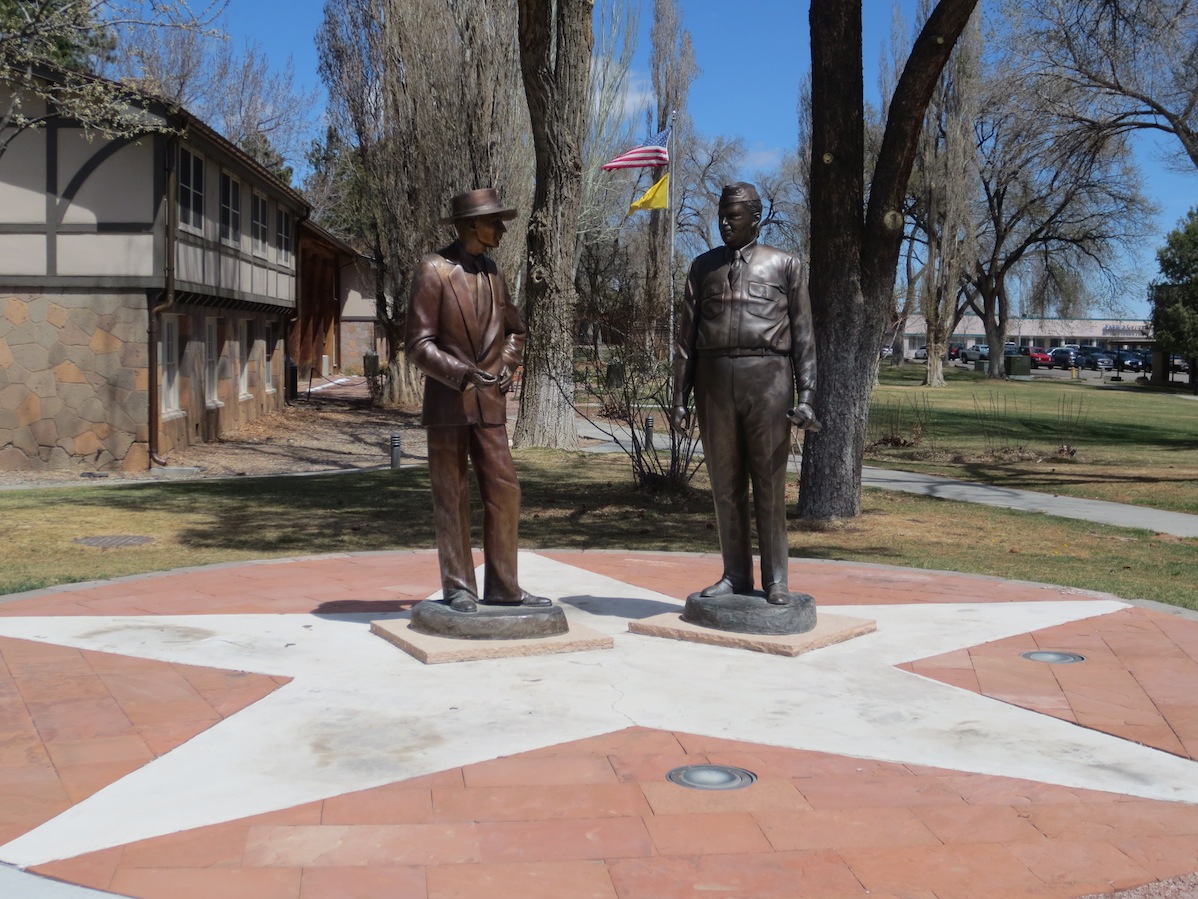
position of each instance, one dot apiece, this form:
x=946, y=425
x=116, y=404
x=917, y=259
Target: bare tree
x=50, y=51
x=855, y=240
x=1134, y=61
x=234, y=90
x=944, y=182
x=427, y=101
x=556, y=38
x=1059, y=203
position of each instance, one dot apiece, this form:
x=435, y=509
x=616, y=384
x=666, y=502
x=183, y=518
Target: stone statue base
x=435, y=618
x=750, y=613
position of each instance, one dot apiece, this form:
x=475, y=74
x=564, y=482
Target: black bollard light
x=396, y=451
x=648, y=430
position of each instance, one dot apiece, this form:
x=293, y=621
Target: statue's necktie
x=736, y=272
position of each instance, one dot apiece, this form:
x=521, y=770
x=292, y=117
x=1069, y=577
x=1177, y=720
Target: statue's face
x=738, y=224
x=489, y=231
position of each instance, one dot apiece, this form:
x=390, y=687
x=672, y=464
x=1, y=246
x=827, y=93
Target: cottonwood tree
x=556, y=38
x=1134, y=62
x=427, y=99
x=50, y=51
x=855, y=238
x=1060, y=203
x=943, y=184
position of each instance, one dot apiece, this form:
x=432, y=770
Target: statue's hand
x=480, y=378
x=506, y=376
x=803, y=417
x=680, y=419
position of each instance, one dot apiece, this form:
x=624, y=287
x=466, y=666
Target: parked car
x=1179, y=364
x=1011, y=350
x=1063, y=357
x=1095, y=360
x=1129, y=360
x=921, y=353
x=954, y=350
x=979, y=352
x=1037, y=354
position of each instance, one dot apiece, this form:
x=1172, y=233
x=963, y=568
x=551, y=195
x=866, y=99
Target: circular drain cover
x=1052, y=657
x=711, y=777
x=112, y=541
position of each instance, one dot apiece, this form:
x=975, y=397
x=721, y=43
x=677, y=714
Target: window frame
x=212, y=361
x=259, y=227
x=189, y=196
x=230, y=209
x=168, y=363
x=284, y=236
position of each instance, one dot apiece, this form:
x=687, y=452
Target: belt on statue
x=735, y=352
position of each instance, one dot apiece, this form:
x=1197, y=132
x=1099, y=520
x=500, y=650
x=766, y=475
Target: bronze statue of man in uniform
x=745, y=347
x=466, y=335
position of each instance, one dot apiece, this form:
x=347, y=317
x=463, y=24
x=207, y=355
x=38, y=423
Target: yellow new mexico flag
x=655, y=197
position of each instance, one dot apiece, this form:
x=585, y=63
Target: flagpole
x=670, y=262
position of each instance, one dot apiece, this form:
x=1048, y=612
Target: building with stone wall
x=149, y=293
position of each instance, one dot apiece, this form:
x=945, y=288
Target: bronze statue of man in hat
x=467, y=336
x=745, y=347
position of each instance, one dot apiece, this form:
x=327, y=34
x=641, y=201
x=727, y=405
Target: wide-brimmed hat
x=477, y=203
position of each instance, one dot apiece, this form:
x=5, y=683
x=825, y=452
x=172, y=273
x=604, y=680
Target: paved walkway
x=237, y=731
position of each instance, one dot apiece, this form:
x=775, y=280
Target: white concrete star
x=361, y=713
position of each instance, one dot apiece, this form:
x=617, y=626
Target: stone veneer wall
x=357, y=339
x=74, y=389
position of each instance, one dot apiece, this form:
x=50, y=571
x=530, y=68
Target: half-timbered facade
x=147, y=288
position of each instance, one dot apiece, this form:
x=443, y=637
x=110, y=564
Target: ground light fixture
x=711, y=777
x=1052, y=657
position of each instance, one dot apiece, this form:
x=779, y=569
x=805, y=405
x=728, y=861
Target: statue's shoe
x=524, y=599
x=723, y=587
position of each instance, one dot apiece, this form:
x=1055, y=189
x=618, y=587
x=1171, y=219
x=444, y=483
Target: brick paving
x=595, y=817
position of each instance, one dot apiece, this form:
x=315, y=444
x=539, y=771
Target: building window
x=168, y=355
x=244, y=344
x=283, y=236
x=211, y=361
x=191, y=190
x=230, y=209
x=268, y=357
x=258, y=226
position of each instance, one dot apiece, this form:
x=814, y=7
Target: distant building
x=155, y=292
x=1108, y=333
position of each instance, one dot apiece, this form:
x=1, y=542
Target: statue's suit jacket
x=446, y=338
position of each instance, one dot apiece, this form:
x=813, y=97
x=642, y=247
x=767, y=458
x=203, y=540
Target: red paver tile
x=955, y=871
x=776, y=875
x=205, y=883
x=219, y=846
x=95, y=869
x=667, y=798
x=389, y=882
x=531, y=880
x=1128, y=818
x=979, y=823
x=647, y=768
x=1162, y=857
x=844, y=828
x=563, y=840
x=876, y=792
x=719, y=833
x=362, y=844
x=1064, y=861
x=539, y=803
x=392, y=804
x=128, y=748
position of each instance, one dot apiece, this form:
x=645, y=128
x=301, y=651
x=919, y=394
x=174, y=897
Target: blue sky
x=752, y=55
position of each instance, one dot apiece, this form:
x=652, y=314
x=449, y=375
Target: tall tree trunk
x=556, y=38
x=853, y=261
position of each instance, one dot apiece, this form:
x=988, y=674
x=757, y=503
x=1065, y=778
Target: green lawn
x=569, y=500
x=1128, y=443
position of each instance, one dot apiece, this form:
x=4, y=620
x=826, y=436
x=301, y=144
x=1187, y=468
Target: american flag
x=652, y=152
